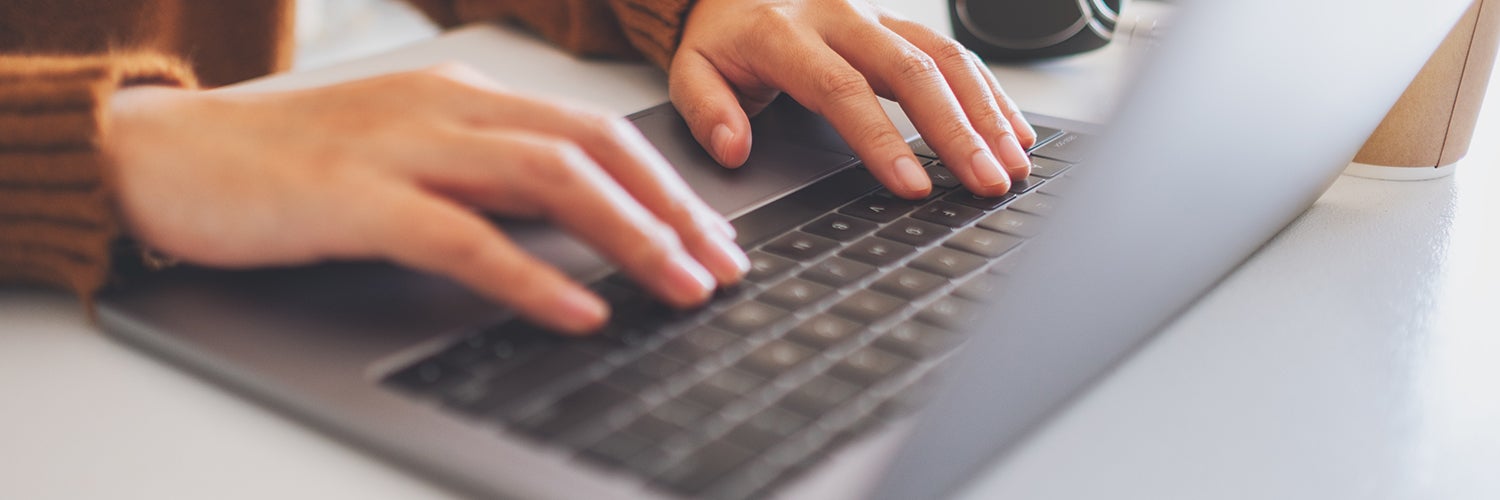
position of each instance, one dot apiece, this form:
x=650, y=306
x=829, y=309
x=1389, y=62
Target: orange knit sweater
x=60, y=60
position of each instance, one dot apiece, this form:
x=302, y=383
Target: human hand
x=395, y=167
x=835, y=57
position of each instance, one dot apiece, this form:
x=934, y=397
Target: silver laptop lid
x=1240, y=121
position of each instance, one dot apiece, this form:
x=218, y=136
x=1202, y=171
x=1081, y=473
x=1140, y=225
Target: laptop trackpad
x=791, y=148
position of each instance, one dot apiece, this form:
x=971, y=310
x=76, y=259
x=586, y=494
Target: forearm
x=57, y=217
x=605, y=28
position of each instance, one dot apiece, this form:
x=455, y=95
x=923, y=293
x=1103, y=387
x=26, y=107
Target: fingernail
x=911, y=176
x=727, y=229
x=987, y=170
x=687, y=281
x=1016, y=161
x=730, y=261
x=721, y=137
x=581, y=310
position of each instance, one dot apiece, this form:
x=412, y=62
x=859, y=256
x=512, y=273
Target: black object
x=1033, y=29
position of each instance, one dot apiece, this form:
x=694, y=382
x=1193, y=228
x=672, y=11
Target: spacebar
x=803, y=205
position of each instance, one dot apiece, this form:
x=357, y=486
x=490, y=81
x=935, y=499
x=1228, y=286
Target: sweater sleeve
x=609, y=28
x=57, y=215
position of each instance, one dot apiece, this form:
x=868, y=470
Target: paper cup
x=1430, y=127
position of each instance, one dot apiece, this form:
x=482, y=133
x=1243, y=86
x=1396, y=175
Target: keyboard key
x=942, y=177
x=1044, y=134
x=1047, y=168
x=869, y=366
x=921, y=148
x=800, y=246
x=867, y=307
x=909, y=284
x=980, y=288
x=980, y=202
x=765, y=267
x=950, y=313
x=948, y=262
x=839, y=227
x=653, y=429
x=710, y=396
x=802, y=205
x=653, y=367
x=734, y=381
x=983, y=242
x=837, y=271
x=824, y=330
x=768, y=428
x=878, y=208
x=1009, y=263
x=1057, y=187
x=698, y=343
x=616, y=449
x=518, y=386
x=775, y=358
x=1013, y=222
x=818, y=395
x=697, y=472
x=918, y=341
x=571, y=412
x=1026, y=185
x=1070, y=148
x=914, y=232
x=1037, y=204
x=878, y=252
x=427, y=377
x=680, y=412
x=795, y=293
x=498, y=349
x=748, y=318
x=948, y=214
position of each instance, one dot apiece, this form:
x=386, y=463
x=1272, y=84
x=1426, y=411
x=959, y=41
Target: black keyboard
x=853, y=296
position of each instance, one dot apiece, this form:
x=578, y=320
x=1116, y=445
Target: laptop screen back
x=1242, y=118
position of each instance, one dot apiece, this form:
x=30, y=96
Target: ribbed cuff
x=57, y=211
x=653, y=26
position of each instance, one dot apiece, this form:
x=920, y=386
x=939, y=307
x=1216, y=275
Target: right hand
x=394, y=167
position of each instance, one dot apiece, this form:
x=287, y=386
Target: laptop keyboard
x=853, y=296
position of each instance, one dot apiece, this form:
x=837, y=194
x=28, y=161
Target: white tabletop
x=1353, y=357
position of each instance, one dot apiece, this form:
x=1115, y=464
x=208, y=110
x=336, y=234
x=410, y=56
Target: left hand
x=835, y=57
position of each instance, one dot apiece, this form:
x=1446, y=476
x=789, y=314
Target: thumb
x=711, y=108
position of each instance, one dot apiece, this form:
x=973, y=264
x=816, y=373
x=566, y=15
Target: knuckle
x=916, y=66
x=949, y=52
x=960, y=132
x=843, y=86
x=452, y=246
x=875, y=134
x=772, y=18
x=558, y=163
x=990, y=117
x=657, y=244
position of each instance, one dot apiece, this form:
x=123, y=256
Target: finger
x=824, y=82
x=568, y=187
x=634, y=164
x=918, y=84
x=424, y=232
x=711, y=108
x=961, y=69
x=1018, y=121
x=639, y=168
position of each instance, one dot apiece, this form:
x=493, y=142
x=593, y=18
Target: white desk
x=1354, y=357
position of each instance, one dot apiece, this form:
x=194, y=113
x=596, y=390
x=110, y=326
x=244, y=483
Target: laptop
x=880, y=348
